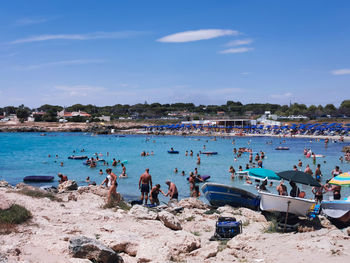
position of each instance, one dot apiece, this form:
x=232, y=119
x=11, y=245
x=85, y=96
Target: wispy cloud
x=281, y=96
x=88, y=36
x=30, y=21
x=78, y=90
x=245, y=73
x=236, y=50
x=239, y=42
x=344, y=71
x=196, y=35
x=61, y=63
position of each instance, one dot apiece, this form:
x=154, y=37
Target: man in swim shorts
x=145, y=183
x=153, y=196
x=172, y=191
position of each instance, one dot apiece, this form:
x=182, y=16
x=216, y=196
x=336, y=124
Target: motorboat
x=221, y=194
x=280, y=203
x=338, y=210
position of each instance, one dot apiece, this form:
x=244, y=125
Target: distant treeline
x=187, y=110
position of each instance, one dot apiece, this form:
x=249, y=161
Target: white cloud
x=78, y=90
x=236, y=50
x=61, y=63
x=281, y=96
x=88, y=36
x=30, y=21
x=196, y=35
x=245, y=73
x=239, y=42
x=344, y=71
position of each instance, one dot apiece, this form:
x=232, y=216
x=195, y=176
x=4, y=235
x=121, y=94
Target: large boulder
x=88, y=248
x=67, y=186
x=192, y=203
x=141, y=212
x=169, y=220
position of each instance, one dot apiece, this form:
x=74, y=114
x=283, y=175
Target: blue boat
x=220, y=195
x=173, y=152
x=77, y=157
x=209, y=153
x=38, y=178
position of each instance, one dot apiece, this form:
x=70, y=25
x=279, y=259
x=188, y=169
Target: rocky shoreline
x=69, y=127
x=177, y=233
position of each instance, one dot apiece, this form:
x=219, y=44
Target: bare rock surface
x=169, y=220
x=192, y=203
x=4, y=203
x=84, y=247
x=45, y=238
x=141, y=212
x=4, y=184
x=67, y=186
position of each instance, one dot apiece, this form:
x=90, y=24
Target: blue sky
x=206, y=52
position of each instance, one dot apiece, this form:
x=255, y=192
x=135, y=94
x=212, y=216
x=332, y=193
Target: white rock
x=67, y=186
x=206, y=252
x=169, y=220
x=141, y=212
x=192, y=203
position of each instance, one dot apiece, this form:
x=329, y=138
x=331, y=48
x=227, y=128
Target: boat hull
x=337, y=209
x=220, y=195
x=279, y=203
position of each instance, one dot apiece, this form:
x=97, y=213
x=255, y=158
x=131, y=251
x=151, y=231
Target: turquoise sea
x=23, y=154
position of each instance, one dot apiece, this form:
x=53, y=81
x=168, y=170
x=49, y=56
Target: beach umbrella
x=299, y=177
x=341, y=179
x=261, y=174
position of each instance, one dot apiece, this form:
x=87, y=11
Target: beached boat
x=279, y=203
x=38, y=178
x=337, y=209
x=220, y=195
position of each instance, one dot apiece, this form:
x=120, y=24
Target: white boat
x=279, y=203
x=337, y=209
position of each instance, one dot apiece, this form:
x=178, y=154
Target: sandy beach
x=141, y=235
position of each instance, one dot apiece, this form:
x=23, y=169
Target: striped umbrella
x=342, y=179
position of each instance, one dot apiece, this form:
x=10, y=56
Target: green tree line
x=156, y=110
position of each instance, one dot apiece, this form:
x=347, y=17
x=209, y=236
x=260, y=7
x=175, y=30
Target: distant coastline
x=131, y=128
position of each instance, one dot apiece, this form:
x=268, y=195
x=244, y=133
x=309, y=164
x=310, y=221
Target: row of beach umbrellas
x=308, y=126
x=297, y=177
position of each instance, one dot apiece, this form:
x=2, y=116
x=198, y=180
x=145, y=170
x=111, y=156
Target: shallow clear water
x=23, y=154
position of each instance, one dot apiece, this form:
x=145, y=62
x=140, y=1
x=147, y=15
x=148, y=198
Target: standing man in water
x=145, y=183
